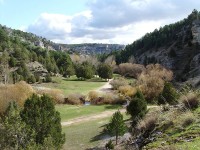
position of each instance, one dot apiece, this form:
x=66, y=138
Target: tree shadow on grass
x=101, y=136
x=113, y=107
x=72, y=79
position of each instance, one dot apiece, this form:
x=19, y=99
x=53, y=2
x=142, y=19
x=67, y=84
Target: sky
x=93, y=21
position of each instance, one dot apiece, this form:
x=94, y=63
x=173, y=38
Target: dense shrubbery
x=75, y=99
x=108, y=98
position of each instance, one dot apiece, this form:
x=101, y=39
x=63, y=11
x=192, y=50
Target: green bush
x=137, y=107
x=168, y=95
x=48, y=78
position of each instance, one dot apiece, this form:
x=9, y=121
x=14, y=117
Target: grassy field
x=71, y=111
x=85, y=135
x=73, y=85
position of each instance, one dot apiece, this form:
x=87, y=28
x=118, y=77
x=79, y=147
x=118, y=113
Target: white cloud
x=112, y=21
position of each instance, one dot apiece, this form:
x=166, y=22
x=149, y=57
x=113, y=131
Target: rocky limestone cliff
x=196, y=31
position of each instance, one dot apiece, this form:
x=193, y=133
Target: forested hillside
x=20, y=59
x=176, y=46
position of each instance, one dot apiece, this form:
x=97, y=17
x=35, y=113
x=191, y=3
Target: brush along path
x=104, y=114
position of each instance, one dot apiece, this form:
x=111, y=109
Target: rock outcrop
x=196, y=31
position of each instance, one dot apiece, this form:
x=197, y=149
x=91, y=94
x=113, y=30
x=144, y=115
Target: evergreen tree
x=14, y=132
x=137, y=107
x=40, y=114
x=105, y=71
x=168, y=95
x=116, y=126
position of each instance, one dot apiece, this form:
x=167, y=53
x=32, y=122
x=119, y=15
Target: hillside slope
x=176, y=46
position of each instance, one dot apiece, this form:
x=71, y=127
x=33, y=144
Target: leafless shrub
x=75, y=99
x=93, y=95
x=127, y=90
x=116, y=83
x=18, y=92
x=131, y=70
x=147, y=124
x=151, y=81
x=56, y=94
x=190, y=100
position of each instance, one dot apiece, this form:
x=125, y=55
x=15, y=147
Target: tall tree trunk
x=116, y=139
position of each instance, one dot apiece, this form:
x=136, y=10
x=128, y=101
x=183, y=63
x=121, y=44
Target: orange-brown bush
x=92, y=95
x=108, y=98
x=116, y=83
x=18, y=92
x=75, y=99
x=56, y=94
x=131, y=70
x=191, y=100
x=151, y=81
x=127, y=90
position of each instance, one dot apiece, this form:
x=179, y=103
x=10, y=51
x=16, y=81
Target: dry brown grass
x=18, y=92
x=56, y=94
x=186, y=119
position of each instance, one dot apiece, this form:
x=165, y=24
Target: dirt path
x=95, y=116
x=91, y=117
x=106, y=87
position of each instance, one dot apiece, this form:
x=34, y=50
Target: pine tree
x=137, y=107
x=14, y=133
x=40, y=114
x=116, y=126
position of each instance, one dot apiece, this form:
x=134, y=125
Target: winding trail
x=90, y=117
x=104, y=114
x=105, y=88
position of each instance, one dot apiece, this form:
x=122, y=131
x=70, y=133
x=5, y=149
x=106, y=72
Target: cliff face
x=196, y=31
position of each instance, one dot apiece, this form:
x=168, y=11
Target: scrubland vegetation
x=31, y=112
